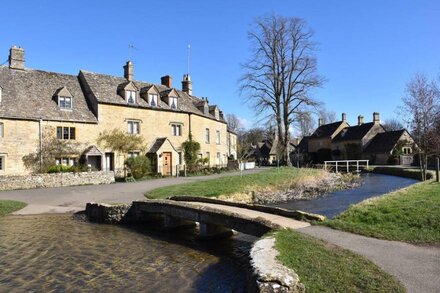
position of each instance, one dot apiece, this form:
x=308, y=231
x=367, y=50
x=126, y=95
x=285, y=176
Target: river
x=57, y=253
x=336, y=202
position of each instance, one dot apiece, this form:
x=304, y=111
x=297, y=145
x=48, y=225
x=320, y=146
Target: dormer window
x=173, y=102
x=65, y=102
x=152, y=100
x=130, y=97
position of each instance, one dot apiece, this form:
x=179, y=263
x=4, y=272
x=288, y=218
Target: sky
x=367, y=50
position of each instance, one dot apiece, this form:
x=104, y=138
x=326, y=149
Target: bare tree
x=281, y=73
x=234, y=122
x=306, y=123
x=421, y=109
x=327, y=116
x=392, y=125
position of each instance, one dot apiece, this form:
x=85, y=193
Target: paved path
x=417, y=267
x=72, y=199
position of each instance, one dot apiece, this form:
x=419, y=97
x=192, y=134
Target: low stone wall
x=401, y=172
x=268, y=273
x=55, y=180
x=105, y=213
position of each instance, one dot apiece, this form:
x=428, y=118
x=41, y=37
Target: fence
x=346, y=165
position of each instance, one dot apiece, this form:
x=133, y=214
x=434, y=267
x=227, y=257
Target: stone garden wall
x=55, y=180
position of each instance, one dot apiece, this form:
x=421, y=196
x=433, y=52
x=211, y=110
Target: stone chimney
x=360, y=120
x=187, y=84
x=128, y=71
x=16, y=58
x=344, y=117
x=376, y=118
x=320, y=122
x=166, y=81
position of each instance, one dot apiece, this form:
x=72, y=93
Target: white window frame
x=152, y=100
x=207, y=135
x=64, y=99
x=134, y=154
x=131, y=128
x=130, y=94
x=173, y=101
x=217, y=137
x=176, y=129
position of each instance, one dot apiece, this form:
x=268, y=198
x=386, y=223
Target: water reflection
x=58, y=253
x=336, y=202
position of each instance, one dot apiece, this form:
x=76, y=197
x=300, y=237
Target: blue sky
x=367, y=49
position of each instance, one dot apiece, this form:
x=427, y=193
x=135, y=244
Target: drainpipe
x=40, y=128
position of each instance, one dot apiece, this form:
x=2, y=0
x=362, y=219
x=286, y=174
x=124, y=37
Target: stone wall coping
x=294, y=214
x=270, y=274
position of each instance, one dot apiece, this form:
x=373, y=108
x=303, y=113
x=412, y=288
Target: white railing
x=346, y=164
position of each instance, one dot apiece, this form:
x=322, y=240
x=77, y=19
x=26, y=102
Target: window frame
x=207, y=136
x=130, y=130
x=133, y=154
x=217, y=137
x=2, y=163
x=153, y=98
x=2, y=129
x=128, y=95
x=176, y=129
x=173, y=100
x=64, y=99
x=65, y=133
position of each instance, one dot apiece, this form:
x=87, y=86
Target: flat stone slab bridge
x=215, y=218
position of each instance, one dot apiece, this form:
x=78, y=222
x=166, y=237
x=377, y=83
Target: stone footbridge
x=215, y=218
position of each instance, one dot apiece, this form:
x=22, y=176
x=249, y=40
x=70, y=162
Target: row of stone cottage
x=80, y=107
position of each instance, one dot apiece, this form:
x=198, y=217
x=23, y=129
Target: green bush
x=59, y=169
x=139, y=166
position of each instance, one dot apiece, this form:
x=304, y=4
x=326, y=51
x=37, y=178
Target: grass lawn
x=9, y=206
x=322, y=267
x=270, y=179
x=411, y=214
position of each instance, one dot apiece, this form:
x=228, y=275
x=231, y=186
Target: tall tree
x=327, y=116
x=392, y=125
x=281, y=72
x=234, y=122
x=421, y=109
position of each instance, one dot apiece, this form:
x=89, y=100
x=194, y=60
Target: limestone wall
x=55, y=180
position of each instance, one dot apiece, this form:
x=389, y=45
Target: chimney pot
x=376, y=117
x=166, y=81
x=187, y=84
x=129, y=71
x=344, y=117
x=16, y=58
x=320, y=122
x=360, y=120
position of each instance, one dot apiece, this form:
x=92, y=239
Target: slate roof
x=104, y=88
x=354, y=132
x=30, y=94
x=326, y=130
x=157, y=145
x=384, y=142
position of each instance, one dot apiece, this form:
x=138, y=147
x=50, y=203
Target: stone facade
x=55, y=180
x=30, y=106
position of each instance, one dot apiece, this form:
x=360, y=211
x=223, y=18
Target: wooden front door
x=166, y=158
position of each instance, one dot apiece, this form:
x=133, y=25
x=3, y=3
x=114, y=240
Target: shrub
x=59, y=169
x=139, y=166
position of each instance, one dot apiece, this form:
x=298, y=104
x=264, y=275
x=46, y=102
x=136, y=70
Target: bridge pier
x=171, y=222
x=214, y=231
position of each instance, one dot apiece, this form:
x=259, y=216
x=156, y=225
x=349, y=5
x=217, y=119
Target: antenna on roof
x=130, y=48
x=189, y=57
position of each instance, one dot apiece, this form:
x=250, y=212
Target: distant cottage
x=79, y=107
x=340, y=141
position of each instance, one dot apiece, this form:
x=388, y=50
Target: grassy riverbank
x=410, y=214
x=271, y=179
x=9, y=206
x=322, y=267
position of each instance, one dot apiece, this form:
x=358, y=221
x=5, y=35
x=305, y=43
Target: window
x=218, y=159
x=133, y=127
x=207, y=135
x=217, y=137
x=130, y=96
x=179, y=158
x=65, y=102
x=407, y=150
x=152, y=100
x=173, y=102
x=2, y=163
x=66, y=132
x=65, y=161
x=176, y=129
x=133, y=154
x=2, y=130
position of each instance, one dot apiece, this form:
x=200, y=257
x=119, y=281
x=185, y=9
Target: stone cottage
x=80, y=107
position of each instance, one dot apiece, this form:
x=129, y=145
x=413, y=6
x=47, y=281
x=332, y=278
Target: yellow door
x=166, y=157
